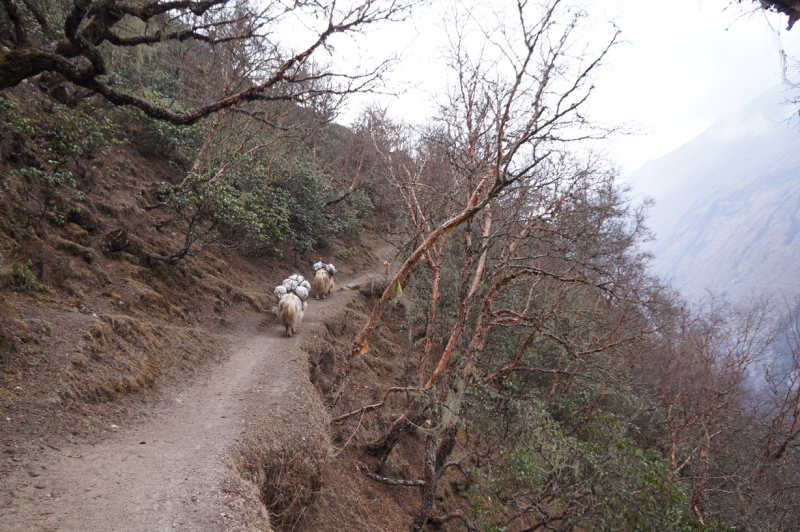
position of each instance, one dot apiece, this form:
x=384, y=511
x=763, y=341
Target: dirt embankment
x=205, y=456
x=126, y=383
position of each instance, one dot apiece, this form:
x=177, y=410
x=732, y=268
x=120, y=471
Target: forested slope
x=521, y=368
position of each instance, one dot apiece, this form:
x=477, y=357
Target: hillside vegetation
x=520, y=369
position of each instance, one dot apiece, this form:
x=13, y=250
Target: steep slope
x=727, y=203
x=166, y=468
x=93, y=331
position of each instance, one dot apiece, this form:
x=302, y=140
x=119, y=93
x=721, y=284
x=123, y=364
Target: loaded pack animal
x=323, y=279
x=292, y=295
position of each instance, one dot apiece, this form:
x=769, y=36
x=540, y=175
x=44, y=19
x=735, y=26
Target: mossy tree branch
x=92, y=24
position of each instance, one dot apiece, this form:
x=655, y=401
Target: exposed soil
x=165, y=466
x=138, y=395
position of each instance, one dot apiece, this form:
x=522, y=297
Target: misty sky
x=683, y=64
x=688, y=63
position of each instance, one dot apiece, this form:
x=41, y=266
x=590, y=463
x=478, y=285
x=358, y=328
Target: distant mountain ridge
x=727, y=213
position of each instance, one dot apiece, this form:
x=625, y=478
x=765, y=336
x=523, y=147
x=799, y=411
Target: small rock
x=63, y=93
x=114, y=240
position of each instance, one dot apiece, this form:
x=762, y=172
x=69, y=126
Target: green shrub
x=218, y=213
x=255, y=207
x=159, y=137
x=23, y=276
x=60, y=191
x=305, y=203
x=75, y=133
x=65, y=133
x=52, y=10
x=599, y=480
x=345, y=216
x=312, y=222
x=149, y=72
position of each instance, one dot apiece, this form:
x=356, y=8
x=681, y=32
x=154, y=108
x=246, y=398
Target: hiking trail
x=163, y=470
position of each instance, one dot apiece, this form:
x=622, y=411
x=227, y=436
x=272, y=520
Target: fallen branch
x=367, y=408
x=391, y=481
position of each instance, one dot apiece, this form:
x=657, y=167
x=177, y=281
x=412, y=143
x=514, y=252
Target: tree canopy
x=75, y=39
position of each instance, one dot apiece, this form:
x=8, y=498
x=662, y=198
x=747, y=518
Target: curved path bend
x=164, y=472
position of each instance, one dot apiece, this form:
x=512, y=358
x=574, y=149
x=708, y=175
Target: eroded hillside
x=88, y=316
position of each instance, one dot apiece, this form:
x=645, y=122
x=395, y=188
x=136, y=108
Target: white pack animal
x=323, y=282
x=290, y=312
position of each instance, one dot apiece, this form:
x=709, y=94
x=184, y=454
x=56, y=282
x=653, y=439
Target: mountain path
x=164, y=470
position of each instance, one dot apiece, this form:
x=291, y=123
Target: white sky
x=687, y=64
x=683, y=64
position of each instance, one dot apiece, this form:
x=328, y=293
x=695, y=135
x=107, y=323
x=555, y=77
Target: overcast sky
x=683, y=64
x=686, y=64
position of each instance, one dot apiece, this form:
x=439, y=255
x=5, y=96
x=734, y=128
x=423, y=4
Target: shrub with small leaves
x=598, y=481
x=61, y=190
x=159, y=137
x=6, y=106
x=313, y=222
x=65, y=133
x=23, y=276
x=225, y=213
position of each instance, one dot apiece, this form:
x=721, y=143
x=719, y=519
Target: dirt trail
x=163, y=472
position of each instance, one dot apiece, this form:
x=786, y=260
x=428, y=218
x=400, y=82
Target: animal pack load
x=294, y=284
x=330, y=268
x=302, y=292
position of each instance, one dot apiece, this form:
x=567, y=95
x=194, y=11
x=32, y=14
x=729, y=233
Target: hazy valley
x=727, y=204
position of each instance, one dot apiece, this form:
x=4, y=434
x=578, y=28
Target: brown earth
x=166, y=466
x=137, y=395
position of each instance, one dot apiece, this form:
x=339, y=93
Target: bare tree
x=79, y=48
x=703, y=360
x=505, y=118
x=530, y=246
x=719, y=389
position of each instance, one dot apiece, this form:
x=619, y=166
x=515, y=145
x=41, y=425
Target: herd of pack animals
x=293, y=294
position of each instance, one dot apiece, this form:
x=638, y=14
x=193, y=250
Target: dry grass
x=288, y=476
x=122, y=355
